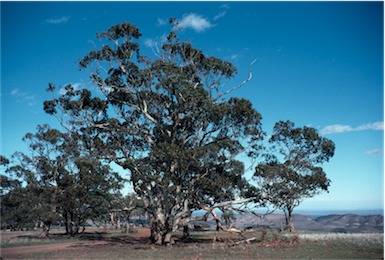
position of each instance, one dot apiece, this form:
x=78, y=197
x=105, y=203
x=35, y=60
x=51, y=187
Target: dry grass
x=134, y=246
x=26, y=240
x=357, y=238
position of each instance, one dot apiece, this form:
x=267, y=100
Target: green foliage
x=8, y=184
x=285, y=184
x=170, y=124
x=58, y=181
x=172, y=128
x=3, y=160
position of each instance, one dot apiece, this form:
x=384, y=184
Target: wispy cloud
x=195, y=22
x=225, y=6
x=155, y=43
x=76, y=86
x=371, y=126
x=161, y=22
x=235, y=56
x=24, y=97
x=149, y=43
x=335, y=129
x=219, y=15
x=59, y=20
x=375, y=152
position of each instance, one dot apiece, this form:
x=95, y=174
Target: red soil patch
x=13, y=252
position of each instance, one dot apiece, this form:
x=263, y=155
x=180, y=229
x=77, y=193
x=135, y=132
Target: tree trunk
x=66, y=222
x=72, y=228
x=289, y=220
x=186, y=232
x=159, y=235
x=161, y=209
x=46, y=228
x=118, y=223
x=161, y=232
x=128, y=224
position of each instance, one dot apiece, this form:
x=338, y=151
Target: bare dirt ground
x=97, y=244
x=22, y=252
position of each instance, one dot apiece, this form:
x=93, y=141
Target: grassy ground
x=305, y=250
x=310, y=246
x=29, y=240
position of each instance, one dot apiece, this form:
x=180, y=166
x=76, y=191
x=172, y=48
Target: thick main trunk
x=164, y=209
x=46, y=228
x=160, y=206
x=289, y=221
x=160, y=235
x=72, y=226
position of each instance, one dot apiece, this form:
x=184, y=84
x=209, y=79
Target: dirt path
x=18, y=252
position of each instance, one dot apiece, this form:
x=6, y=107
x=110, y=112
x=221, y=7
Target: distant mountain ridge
x=343, y=223
x=340, y=212
x=347, y=223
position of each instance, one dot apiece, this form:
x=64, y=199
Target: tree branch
x=240, y=85
x=222, y=204
x=144, y=110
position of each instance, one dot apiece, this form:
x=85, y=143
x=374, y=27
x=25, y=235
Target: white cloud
x=371, y=126
x=235, y=56
x=155, y=44
x=332, y=129
x=24, y=97
x=60, y=20
x=76, y=86
x=62, y=91
x=374, y=152
x=149, y=43
x=335, y=129
x=161, y=22
x=195, y=22
x=225, y=6
x=219, y=15
x=15, y=92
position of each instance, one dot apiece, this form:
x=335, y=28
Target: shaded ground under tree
x=113, y=246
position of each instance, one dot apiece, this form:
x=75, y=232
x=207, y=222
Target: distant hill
x=340, y=212
x=349, y=223
x=346, y=223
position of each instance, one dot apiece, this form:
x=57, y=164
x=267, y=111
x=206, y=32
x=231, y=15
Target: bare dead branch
x=247, y=241
x=240, y=85
x=215, y=216
x=232, y=202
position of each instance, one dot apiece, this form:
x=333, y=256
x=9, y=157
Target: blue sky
x=318, y=64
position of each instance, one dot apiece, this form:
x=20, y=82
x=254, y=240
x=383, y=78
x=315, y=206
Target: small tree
x=125, y=208
x=285, y=184
x=58, y=181
x=87, y=190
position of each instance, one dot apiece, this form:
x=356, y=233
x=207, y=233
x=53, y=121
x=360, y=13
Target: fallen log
x=247, y=241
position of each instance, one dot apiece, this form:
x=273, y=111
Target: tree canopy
x=171, y=128
x=292, y=170
x=61, y=183
x=171, y=123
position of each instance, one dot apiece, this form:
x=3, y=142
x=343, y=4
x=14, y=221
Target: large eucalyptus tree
x=168, y=121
